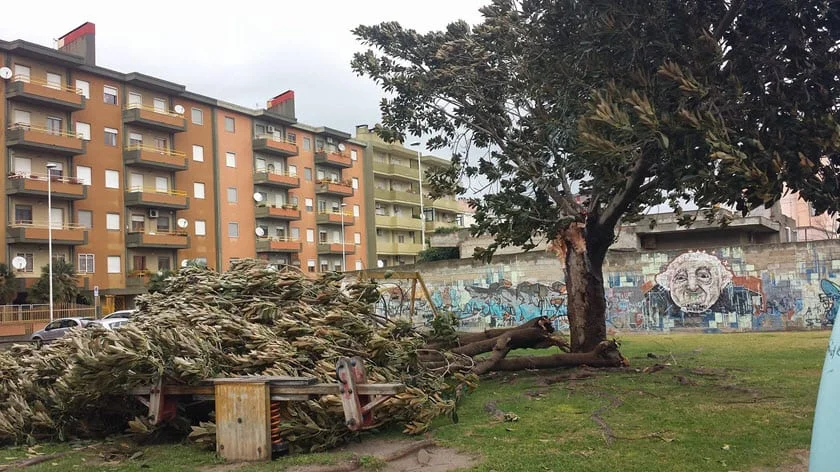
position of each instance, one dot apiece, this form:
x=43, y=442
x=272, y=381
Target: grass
x=725, y=402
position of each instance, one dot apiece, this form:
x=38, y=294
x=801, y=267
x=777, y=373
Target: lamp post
x=422, y=210
x=343, y=241
x=50, y=167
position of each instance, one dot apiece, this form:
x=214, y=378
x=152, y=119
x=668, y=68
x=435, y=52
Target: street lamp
x=343, y=241
x=422, y=211
x=50, y=167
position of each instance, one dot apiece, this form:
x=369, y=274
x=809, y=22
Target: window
x=134, y=99
x=200, y=228
x=112, y=221
x=230, y=124
x=355, y=183
x=232, y=196
x=161, y=143
x=112, y=179
x=356, y=211
x=113, y=264
x=308, y=203
x=198, y=152
x=54, y=80
x=233, y=230
x=83, y=130
x=30, y=261
x=295, y=234
x=54, y=125
x=57, y=170
x=135, y=139
x=159, y=105
x=401, y=238
x=83, y=174
x=83, y=87
x=357, y=238
x=22, y=72
x=85, y=218
x=307, y=174
x=358, y=265
x=310, y=235
x=110, y=137
x=138, y=223
x=23, y=214
x=110, y=95
x=322, y=237
x=310, y=265
x=291, y=137
x=23, y=118
x=293, y=170
x=354, y=155
x=85, y=264
x=307, y=144
x=164, y=263
x=325, y=267
x=198, y=190
x=230, y=159
x=197, y=116
x=163, y=224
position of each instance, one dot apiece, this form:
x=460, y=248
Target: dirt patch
x=373, y=451
x=798, y=463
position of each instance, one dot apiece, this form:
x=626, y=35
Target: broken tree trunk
x=605, y=354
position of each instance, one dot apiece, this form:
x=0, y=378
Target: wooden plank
x=426, y=293
x=274, y=380
x=156, y=398
x=411, y=303
x=243, y=421
x=315, y=389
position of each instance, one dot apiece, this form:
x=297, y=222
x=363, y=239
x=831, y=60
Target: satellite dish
x=258, y=197
x=260, y=232
x=341, y=147
x=380, y=263
x=184, y=262
x=19, y=263
x=179, y=109
x=5, y=73
x=183, y=223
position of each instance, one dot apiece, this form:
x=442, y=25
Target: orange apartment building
x=145, y=176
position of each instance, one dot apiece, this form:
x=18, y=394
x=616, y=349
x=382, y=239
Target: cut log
x=542, y=322
x=515, y=339
x=500, y=350
x=605, y=354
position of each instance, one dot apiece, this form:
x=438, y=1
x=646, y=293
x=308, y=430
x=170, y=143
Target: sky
x=246, y=52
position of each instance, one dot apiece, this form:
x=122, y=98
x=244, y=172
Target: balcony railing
x=65, y=188
x=398, y=222
x=395, y=169
x=396, y=248
x=447, y=204
x=336, y=248
x=278, y=244
x=279, y=212
x=329, y=187
x=38, y=232
x=335, y=217
x=276, y=179
x=152, y=197
x=267, y=144
x=26, y=136
x=396, y=196
x=38, y=92
x=154, y=157
x=158, y=239
x=150, y=117
x=333, y=158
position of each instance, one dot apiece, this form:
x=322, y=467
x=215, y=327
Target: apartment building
x=403, y=221
x=145, y=176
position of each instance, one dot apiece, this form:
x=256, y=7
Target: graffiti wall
x=768, y=287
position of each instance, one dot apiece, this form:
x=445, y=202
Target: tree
x=589, y=112
x=159, y=280
x=438, y=254
x=8, y=284
x=65, y=284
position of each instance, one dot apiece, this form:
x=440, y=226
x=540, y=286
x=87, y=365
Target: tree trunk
x=605, y=354
x=587, y=306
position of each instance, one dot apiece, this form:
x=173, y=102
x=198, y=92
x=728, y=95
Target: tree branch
x=728, y=18
x=631, y=190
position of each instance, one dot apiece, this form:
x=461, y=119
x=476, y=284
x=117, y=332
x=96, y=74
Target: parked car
x=110, y=323
x=124, y=314
x=58, y=328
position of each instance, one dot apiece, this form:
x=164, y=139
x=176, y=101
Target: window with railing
x=86, y=263
x=23, y=214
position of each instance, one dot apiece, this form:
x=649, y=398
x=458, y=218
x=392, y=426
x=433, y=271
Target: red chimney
x=81, y=42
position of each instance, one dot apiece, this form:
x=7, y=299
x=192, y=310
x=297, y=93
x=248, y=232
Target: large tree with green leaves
x=589, y=112
x=65, y=284
x=8, y=284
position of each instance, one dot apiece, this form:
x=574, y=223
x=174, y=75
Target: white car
x=110, y=323
x=121, y=314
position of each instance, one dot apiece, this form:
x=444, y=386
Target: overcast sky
x=243, y=52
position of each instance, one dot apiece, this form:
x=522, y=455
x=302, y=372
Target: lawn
x=727, y=402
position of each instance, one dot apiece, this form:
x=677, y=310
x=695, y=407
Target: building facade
x=145, y=176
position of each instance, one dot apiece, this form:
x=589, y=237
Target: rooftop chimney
x=283, y=104
x=81, y=42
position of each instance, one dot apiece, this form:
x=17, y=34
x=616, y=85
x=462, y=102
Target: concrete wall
x=760, y=287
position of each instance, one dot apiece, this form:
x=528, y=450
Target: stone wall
x=759, y=287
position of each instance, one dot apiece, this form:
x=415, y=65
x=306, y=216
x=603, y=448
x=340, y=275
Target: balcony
x=276, y=179
x=398, y=222
x=396, y=196
x=333, y=158
x=396, y=170
x=446, y=204
x=26, y=89
x=167, y=240
x=339, y=189
x=334, y=217
x=36, y=185
x=154, y=158
x=398, y=249
x=278, y=245
x=335, y=248
x=268, y=145
x=150, y=197
x=149, y=117
x=137, y=278
x=443, y=225
x=68, y=234
x=24, y=136
x=284, y=212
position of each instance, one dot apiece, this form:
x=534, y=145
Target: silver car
x=124, y=314
x=58, y=328
x=110, y=323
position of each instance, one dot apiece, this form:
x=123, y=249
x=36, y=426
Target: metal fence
x=18, y=313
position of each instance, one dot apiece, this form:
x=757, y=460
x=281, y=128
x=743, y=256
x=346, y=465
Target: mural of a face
x=695, y=280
